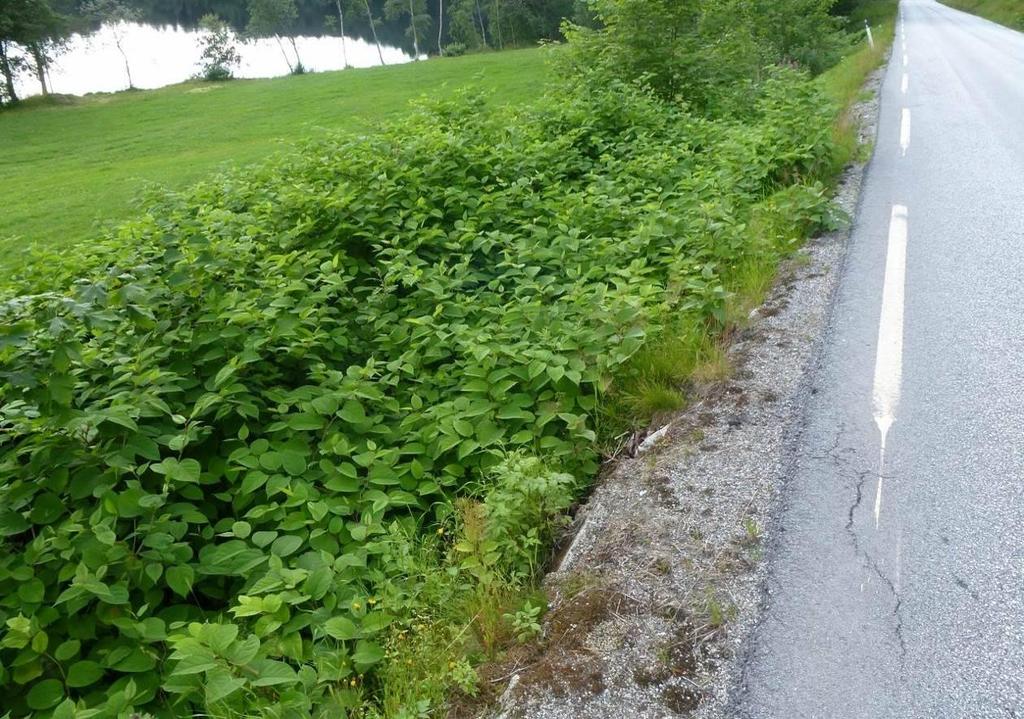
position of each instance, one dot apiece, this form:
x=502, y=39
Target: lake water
x=161, y=56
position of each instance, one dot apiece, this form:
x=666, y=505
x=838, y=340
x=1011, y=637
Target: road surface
x=897, y=586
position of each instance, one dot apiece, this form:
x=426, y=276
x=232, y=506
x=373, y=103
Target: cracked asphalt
x=920, y=612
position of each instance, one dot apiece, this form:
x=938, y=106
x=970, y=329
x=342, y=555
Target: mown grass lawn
x=67, y=167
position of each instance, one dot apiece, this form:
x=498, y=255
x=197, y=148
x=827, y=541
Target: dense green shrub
x=711, y=54
x=219, y=443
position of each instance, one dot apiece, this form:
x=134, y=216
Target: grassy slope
x=66, y=166
x=1007, y=12
x=844, y=82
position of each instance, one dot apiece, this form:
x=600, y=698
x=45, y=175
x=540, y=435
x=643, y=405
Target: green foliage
x=522, y=506
x=857, y=12
x=710, y=54
x=525, y=622
x=414, y=15
x=110, y=11
x=219, y=445
x=40, y=33
x=219, y=49
x=271, y=18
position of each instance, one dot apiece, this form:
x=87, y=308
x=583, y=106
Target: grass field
x=1007, y=12
x=66, y=167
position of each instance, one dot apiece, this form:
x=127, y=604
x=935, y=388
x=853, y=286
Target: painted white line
x=889, y=358
x=905, y=131
x=905, y=59
x=905, y=84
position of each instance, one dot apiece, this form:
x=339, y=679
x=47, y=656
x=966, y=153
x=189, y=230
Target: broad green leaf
x=186, y=470
x=220, y=684
x=367, y=654
x=305, y=422
x=180, y=579
x=64, y=710
x=352, y=412
x=269, y=672
x=45, y=694
x=84, y=673
x=243, y=651
x=341, y=628
x=66, y=650
x=32, y=591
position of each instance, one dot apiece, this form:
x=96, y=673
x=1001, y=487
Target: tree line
x=34, y=32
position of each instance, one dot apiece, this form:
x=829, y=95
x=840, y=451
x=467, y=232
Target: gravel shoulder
x=655, y=598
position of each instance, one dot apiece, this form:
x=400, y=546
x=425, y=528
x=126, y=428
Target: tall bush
x=710, y=54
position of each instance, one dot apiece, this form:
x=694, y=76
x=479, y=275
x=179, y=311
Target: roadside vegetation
x=1007, y=12
x=296, y=441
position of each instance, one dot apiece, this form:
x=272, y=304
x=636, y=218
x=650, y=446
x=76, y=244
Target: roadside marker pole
x=871, y=39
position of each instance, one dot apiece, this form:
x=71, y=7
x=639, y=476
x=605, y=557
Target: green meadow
x=75, y=162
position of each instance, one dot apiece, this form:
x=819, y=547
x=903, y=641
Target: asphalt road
x=897, y=584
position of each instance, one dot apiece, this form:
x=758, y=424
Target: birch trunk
x=440, y=25
x=8, y=72
x=40, y=67
x=373, y=29
x=412, y=26
x=295, y=49
x=341, y=26
x=127, y=69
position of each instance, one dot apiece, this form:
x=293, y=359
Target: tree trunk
x=373, y=29
x=415, y=37
x=40, y=67
x=8, y=72
x=480, y=18
x=127, y=69
x=497, y=22
x=341, y=26
x=440, y=25
x=295, y=49
x=287, y=61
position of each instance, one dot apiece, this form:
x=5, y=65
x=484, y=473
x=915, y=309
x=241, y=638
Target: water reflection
x=165, y=55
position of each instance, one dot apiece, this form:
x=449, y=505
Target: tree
x=343, y=7
x=114, y=14
x=9, y=66
x=419, y=19
x=272, y=18
x=463, y=23
x=495, y=22
x=219, y=48
x=373, y=28
x=341, y=31
x=38, y=30
x=440, y=26
x=480, y=17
